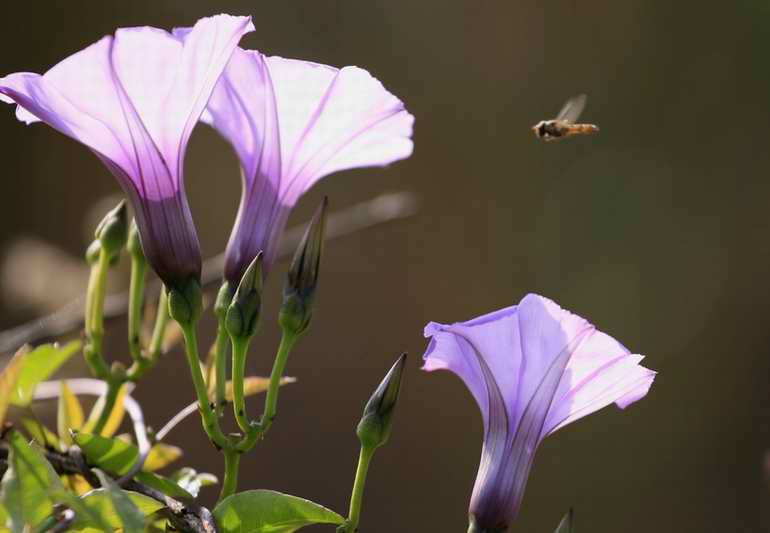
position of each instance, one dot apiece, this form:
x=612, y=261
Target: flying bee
x=564, y=124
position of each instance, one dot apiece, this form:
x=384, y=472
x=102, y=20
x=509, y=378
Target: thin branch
x=379, y=210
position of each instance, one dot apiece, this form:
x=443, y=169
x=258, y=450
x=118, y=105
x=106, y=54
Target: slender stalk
x=220, y=368
x=159, y=331
x=150, y=358
x=257, y=431
x=271, y=402
x=135, y=303
x=209, y=419
x=240, y=348
x=94, y=317
x=357, y=496
x=230, y=481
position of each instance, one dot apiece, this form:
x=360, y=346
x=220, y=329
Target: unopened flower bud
x=112, y=231
x=185, y=302
x=93, y=251
x=302, y=279
x=134, y=243
x=243, y=314
x=223, y=301
x=567, y=523
x=375, y=425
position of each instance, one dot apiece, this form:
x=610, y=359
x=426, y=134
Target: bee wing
x=573, y=108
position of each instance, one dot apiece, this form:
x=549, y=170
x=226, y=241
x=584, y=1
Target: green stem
x=146, y=362
x=159, y=331
x=357, y=496
x=113, y=388
x=240, y=348
x=271, y=402
x=220, y=367
x=257, y=431
x=209, y=419
x=94, y=317
x=135, y=302
x=230, y=481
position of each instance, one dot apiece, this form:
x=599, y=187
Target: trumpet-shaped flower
x=532, y=368
x=134, y=99
x=291, y=123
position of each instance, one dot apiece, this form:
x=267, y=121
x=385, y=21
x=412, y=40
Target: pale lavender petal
x=332, y=120
x=291, y=123
x=532, y=368
x=133, y=99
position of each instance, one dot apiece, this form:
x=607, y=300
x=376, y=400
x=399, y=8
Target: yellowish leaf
x=254, y=385
x=70, y=414
x=161, y=455
x=78, y=484
x=125, y=437
x=115, y=418
x=8, y=379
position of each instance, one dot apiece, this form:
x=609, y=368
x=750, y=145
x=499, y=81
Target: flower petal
x=291, y=123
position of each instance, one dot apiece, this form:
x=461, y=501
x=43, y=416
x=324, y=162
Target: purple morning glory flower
x=291, y=123
x=134, y=99
x=532, y=368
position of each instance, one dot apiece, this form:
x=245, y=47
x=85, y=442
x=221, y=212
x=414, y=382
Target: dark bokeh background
x=657, y=230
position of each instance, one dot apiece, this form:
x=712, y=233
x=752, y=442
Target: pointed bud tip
x=242, y=316
x=377, y=421
x=302, y=278
x=252, y=278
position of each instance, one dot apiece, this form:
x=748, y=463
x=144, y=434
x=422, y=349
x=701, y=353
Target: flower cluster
x=134, y=99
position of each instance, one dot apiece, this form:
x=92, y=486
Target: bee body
x=564, y=124
x=552, y=130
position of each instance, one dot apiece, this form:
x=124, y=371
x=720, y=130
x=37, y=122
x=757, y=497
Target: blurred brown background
x=657, y=230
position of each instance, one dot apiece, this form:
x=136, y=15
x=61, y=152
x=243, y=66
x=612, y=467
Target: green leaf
x=117, y=456
x=84, y=515
x=98, y=502
x=8, y=381
x=27, y=484
x=69, y=415
x=113, y=455
x=163, y=484
x=42, y=435
x=566, y=524
x=161, y=455
x=128, y=514
x=263, y=511
x=39, y=365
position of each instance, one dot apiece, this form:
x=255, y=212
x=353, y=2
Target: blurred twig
x=379, y=210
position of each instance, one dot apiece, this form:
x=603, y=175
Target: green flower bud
x=223, y=301
x=134, y=244
x=243, y=314
x=112, y=231
x=375, y=425
x=302, y=279
x=185, y=302
x=93, y=251
x=567, y=523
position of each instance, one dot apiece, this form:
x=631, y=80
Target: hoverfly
x=564, y=124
